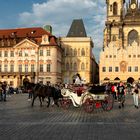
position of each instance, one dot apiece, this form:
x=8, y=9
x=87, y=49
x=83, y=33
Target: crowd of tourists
x=120, y=90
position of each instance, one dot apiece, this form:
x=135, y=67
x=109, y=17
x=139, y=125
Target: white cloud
x=60, y=13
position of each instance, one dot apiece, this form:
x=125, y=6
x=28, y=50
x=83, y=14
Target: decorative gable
x=45, y=40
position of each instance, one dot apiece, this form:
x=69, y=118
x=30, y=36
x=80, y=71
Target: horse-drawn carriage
x=92, y=98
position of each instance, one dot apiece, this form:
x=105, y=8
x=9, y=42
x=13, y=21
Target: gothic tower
x=113, y=31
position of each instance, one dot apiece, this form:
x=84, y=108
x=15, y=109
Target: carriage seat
x=97, y=89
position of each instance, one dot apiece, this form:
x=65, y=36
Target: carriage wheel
x=65, y=103
x=88, y=103
x=107, y=104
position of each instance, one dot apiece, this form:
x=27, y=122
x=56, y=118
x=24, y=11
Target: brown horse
x=43, y=91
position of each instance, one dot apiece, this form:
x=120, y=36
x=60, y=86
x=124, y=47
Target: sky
x=57, y=13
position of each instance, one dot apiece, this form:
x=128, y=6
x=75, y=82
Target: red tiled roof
x=23, y=32
x=34, y=33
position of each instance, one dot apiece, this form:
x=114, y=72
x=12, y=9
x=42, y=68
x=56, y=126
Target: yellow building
x=120, y=57
x=77, y=56
x=29, y=54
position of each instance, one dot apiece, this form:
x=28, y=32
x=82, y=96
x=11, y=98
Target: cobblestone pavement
x=19, y=121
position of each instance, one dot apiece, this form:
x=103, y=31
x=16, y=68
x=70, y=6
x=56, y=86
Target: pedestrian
x=4, y=86
x=135, y=93
x=113, y=90
x=1, y=90
x=121, y=94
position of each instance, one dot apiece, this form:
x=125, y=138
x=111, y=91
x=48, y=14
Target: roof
x=23, y=32
x=77, y=29
x=33, y=34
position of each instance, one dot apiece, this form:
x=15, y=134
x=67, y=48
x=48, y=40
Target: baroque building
x=31, y=54
x=78, y=57
x=120, y=57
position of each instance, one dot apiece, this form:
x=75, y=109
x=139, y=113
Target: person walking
x=121, y=94
x=1, y=90
x=135, y=93
x=4, y=85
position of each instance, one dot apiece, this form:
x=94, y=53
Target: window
x=48, y=67
x=11, y=68
x=110, y=69
x=11, y=83
x=41, y=68
x=75, y=52
x=41, y=52
x=136, y=69
x=134, y=56
x=114, y=56
x=20, y=53
x=75, y=66
x=26, y=68
x=104, y=69
x=82, y=66
x=129, y=56
x=5, y=68
x=5, y=53
x=133, y=36
x=20, y=68
x=48, y=53
x=114, y=38
x=26, y=53
x=67, y=66
x=83, y=52
x=110, y=8
x=67, y=51
x=115, y=8
x=12, y=53
x=106, y=56
x=70, y=66
x=110, y=56
x=32, y=68
x=71, y=52
x=0, y=68
x=129, y=69
x=116, y=69
x=138, y=56
x=0, y=54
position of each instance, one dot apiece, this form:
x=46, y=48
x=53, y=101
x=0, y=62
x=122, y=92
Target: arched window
x=82, y=66
x=71, y=54
x=67, y=66
x=78, y=52
x=133, y=36
x=67, y=52
x=75, y=52
x=83, y=52
x=115, y=8
x=75, y=66
x=114, y=38
x=71, y=66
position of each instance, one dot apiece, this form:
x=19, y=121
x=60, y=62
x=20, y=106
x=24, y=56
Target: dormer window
x=32, y=32
x=45, y=40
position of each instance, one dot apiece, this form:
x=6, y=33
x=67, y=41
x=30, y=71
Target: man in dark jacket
x=4, y=85
x=121, y=94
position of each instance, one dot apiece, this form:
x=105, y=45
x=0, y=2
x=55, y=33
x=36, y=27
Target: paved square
x=19, y=121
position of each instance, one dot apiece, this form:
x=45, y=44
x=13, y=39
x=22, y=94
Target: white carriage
x=89, y=101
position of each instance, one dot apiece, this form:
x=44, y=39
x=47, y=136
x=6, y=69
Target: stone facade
x=78, y=57
x=119, y=59
x=29, y=54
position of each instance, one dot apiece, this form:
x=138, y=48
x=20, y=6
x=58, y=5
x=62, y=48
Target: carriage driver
x=78, y=80
x=78, y=84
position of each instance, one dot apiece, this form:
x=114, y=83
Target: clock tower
x=113, y=30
